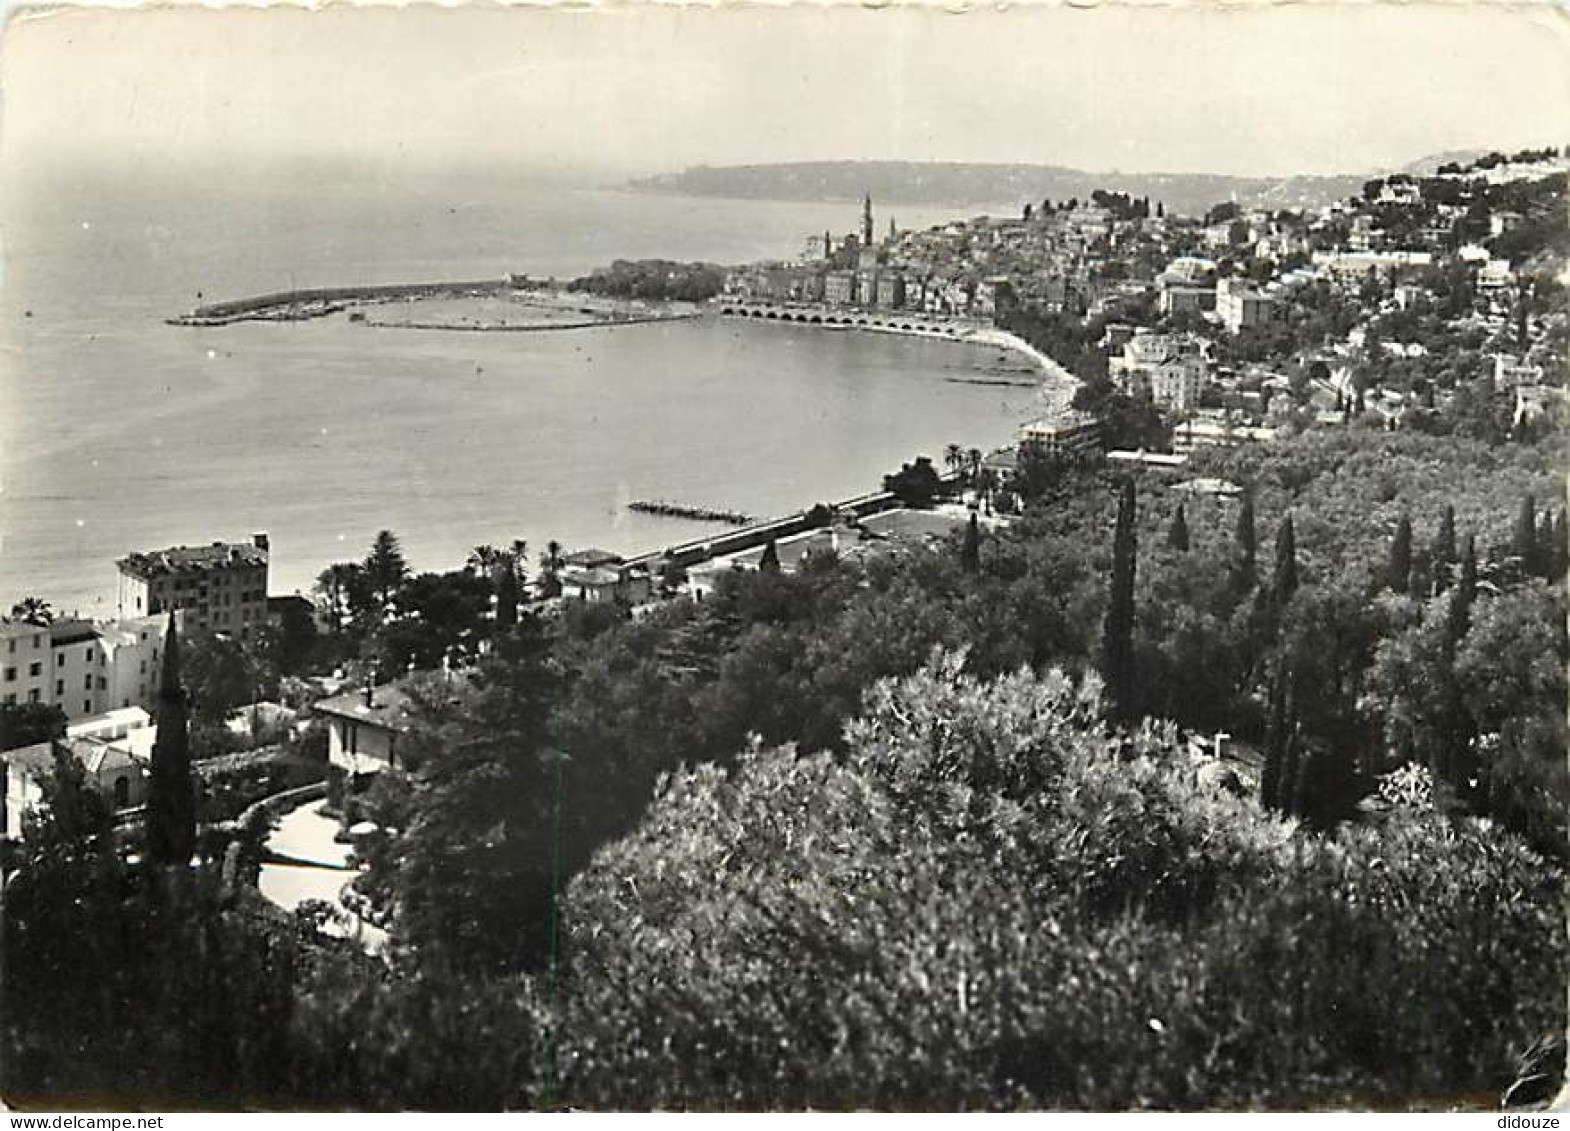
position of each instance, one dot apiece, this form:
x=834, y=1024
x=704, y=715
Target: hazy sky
x=1290, y=88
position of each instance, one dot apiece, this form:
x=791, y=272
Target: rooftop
x=593, y=577
x=1148, y=459
x=914, y=525
x=194, y=559
x=1064, y=421
x=33, y=759
x=96, y=754
x=392, y=707
x=592, y=558
x=72, y=632
x=1208, y=486
x=794, y=549
x=121, y=719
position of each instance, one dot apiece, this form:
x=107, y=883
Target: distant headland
x=932, y=183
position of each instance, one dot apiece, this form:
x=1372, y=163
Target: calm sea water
x=118, y=432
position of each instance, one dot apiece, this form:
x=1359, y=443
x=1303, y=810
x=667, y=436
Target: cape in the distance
x=947, y=182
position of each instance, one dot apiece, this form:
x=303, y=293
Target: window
x=10, y=700
x=60, y=659
x=38, y=642
x=142, y=668
x=10, y=675
x=59, y=688
x=87, y=654
x=35, y=669
x=122, y=792
x=33, y=696
x=87, y=682
x=125, y=702
x=87, y=707
x=10, y=646
x=103, y=684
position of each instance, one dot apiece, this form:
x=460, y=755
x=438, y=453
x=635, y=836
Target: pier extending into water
x=683, y=510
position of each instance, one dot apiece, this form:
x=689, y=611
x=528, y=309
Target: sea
x=119, y=432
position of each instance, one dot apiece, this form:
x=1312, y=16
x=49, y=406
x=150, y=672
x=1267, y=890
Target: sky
x=1246, y=89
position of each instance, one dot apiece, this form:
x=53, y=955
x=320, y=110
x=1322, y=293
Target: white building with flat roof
x=81, y=666
x=220, y=587
x=1170, y=369
x=1069, y=432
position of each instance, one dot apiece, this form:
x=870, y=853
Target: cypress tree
x=1524, y=543
x=770, y=561
x=1286, y=562
x=1289, y=792
x=1458, y=618
x=970, y=549
x=1445, y=540
x=171, y=799
x=1245, y=547
x=1275, y=745
x=1118, y=629
x=1468, y=585
x=1444, y=554
x=1177, y=537
x=1454, y=725
x=1400, y=567
x=1558, y=549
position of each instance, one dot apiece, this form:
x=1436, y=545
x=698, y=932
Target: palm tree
x=953, y=457
x=334, y=588
x=33, y=610
x=550, y=565
x=482, y=559
x=973, y=458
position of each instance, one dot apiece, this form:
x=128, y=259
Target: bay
x=118, y=432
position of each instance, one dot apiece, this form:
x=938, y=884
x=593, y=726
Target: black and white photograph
x=804, y=558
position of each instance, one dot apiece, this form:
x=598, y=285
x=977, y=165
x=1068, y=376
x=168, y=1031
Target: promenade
x=1058, y=387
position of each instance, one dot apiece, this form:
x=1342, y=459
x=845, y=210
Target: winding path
x=305, y=834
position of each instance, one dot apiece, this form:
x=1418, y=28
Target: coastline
x=1059, y=388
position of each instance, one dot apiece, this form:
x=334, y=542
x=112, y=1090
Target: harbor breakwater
x=317, y=302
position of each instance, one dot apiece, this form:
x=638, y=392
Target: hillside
x=935, y=183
